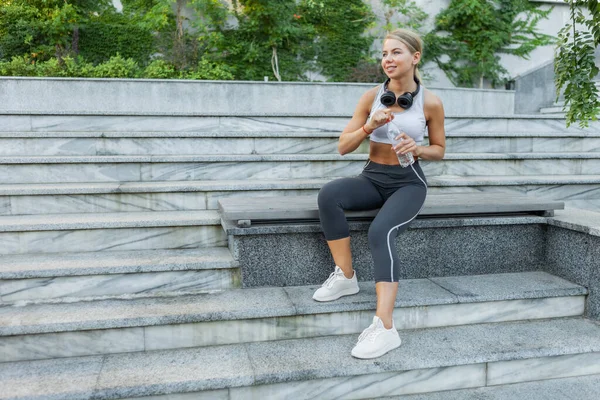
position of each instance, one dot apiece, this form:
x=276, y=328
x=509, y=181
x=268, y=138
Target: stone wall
x=223, y=98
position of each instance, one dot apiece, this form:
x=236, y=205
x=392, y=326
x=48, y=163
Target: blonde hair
x=412, y=40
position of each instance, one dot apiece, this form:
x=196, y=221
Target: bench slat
x=305, y=207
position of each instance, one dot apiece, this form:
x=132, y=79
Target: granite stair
x=429, y=360
x=262, y=314
x=584, y=387
x=116, y=281
x=94, y=163
x=458, y=332
x=57, y=233
x=69, y=277
x=579, y=191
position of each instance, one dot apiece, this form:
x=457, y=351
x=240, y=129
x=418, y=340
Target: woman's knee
x=328, y=195
x=378, y=235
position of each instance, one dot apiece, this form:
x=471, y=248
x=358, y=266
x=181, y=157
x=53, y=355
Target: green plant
x=470, y=34
x=44, y=28
x=407, y=12
x=117, y=67
x=51, y=67
x=75, y=67
x=160, y=69
x=207, y=69
x=368, y=71
x=103, y=36
x=340, y=44
x=18, y=66
x=65, y=67
x=270, y=40
x=167, y=19
x=574, y=64
x=17, y=35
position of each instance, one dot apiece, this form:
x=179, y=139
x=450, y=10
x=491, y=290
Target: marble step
x=552, y=110
x=65, y=233
x=102, y=197
x=68, y=169
x=175, y=143
x=576, y=191
x=429, y=360
x=112, y=124
x=578, y=388
x=27, y=278
x=99, y=197
x=250, y=315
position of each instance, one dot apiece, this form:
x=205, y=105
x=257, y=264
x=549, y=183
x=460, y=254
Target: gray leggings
x=400, y=192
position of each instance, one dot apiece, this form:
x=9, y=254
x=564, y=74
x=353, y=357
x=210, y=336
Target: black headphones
x=388, y=98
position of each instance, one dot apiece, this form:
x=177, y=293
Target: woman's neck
x=403, y=84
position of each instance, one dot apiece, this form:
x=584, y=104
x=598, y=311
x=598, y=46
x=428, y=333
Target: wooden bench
x=246, y=211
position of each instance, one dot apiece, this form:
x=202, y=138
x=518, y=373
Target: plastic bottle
x=392, y=132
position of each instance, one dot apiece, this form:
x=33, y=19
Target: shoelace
x=332, y=277
x=368, y=334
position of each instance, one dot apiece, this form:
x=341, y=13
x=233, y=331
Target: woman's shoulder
x=366, y=100
x=432, y=105
x=370, y=94
x=431, y=99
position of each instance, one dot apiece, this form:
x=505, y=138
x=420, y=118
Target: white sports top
x=411, y=121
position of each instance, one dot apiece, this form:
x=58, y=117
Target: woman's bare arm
x=354, y=134
x=434, y=114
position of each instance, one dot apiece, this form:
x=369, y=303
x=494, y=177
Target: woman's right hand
x=379, y=118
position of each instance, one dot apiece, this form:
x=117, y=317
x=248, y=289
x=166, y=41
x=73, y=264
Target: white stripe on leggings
x=397, y=226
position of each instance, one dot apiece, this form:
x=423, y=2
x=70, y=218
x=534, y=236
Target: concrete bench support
x=278, y=240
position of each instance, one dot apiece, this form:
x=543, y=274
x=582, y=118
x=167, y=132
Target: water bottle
x=393, y=131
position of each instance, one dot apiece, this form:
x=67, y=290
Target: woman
x=399, y=192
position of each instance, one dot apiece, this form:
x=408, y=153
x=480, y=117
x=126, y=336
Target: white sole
x=343, y=293
x=379, y=353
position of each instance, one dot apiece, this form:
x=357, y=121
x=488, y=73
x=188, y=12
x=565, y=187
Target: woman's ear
x=416, y=58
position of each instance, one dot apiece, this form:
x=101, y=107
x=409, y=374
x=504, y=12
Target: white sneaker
x=375, y=341
x=336, y=286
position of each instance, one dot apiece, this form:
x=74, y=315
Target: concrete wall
x=185, y=97
x=578, y=261
x=535, y=89
x=567, y=245
x=277, y=255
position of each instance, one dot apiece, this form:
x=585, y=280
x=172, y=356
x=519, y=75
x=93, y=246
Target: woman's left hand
x=407, y=145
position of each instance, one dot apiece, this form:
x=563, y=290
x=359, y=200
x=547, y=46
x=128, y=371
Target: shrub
x=117, y=67
x=209, y=70
x=18, y=66
x=160, y=69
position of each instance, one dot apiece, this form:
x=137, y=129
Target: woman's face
x=397, y=60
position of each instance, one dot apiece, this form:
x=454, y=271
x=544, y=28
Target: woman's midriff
x=382, y=153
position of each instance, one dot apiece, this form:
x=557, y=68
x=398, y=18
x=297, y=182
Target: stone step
x=101, y=197
x=143, y=97
x=263, y=314
x=120, y=274
x=19, y=199
x=429, y=360
x=576, y=191
x=228, y=143
x=581, y=387
x=111, y=124
x=57, y=233
x=552, y=110
x=68, y=169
